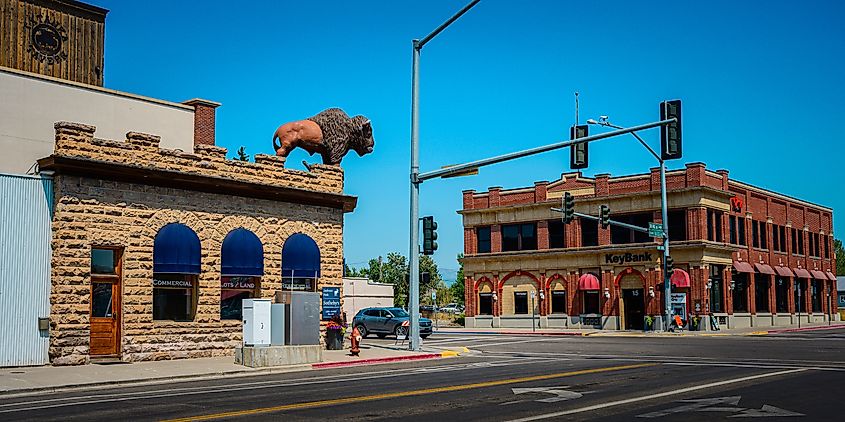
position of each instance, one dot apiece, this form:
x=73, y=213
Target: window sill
x=761, y=250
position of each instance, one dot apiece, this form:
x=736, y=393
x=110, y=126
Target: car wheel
x=381, y=335
x=362, y=330
x=400, y=331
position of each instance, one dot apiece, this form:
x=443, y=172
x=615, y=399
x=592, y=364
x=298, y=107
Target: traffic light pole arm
x=608, y=124
x=525, y=153
x=612, y=222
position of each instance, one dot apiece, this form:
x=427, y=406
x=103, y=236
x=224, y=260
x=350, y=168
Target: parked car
x=453, y=308
x=428, y=308
x=385, y=321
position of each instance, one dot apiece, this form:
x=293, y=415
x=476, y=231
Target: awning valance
x=588, y=281
x=743, y=267
x=300, y=257
x=801, y=273
x=765, y=269
x=830, y=276
x=176, y=250
x=818, y=275
x=242, y=254
x=784, y=271
x=680, y=278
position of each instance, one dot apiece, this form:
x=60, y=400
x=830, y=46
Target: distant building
x=744, y=255
x=840, y=287
x=361, y=292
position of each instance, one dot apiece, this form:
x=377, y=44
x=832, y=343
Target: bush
x=459, y=319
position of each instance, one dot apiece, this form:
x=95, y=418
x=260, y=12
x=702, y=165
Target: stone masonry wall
x=93, y=212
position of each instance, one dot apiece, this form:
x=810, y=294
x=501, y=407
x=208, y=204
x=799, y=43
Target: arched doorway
x=633, y=299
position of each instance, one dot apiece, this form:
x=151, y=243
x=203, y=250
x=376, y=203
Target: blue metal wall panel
x=26, y=205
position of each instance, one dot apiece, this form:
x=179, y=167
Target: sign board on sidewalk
x=331, y=302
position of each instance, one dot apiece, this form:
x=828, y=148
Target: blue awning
x=242, y=254
x=176, y=250
x=300, y=257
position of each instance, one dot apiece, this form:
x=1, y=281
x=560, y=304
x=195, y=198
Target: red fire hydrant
x=355, y=338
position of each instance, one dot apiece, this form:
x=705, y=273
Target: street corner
x=455, y=352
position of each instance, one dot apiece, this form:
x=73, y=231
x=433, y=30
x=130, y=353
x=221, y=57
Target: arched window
x=176, y=264
x=241, y=268
x=300, y=263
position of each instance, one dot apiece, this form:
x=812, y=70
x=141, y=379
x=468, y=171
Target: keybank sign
x=627, y=257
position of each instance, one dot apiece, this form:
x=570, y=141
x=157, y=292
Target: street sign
x=655, y=230
x=433, y=295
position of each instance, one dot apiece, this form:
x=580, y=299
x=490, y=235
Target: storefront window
x=817, y=296
x=557, y=238
x=781, y=295
x=483, y=236
x=519, y=237
x=591, y=301
x=677, y=225
x=176, y=264
x=761, y=292
x=589, y=232
x=233, y=290
x=173, y=297
x=740, y=293
x=520, y=302
x=716, y=289
x=714, y=225
x=559, y=302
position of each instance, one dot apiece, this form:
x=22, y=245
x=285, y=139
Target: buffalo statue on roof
x=331, y=133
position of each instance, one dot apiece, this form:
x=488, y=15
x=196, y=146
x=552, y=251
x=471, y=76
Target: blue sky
x=761, y=83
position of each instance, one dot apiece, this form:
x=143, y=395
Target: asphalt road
x=507, y=378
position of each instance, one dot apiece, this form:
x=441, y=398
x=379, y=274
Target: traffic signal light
x=670, y=264
x=578, y=153
x=670, y=135
x=429, y=235
x=604, y=216
x=568, y=208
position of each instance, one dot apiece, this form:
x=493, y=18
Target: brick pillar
x=752, y=293
x=495, y=238
x=543, y=234
x=611, y=305
x=790, y=298
x=572, y=236
x=602, y=186
x=540, y=190
x=572, y=303
x=724, y=174
x=727, y=293
x=497, y=305
x=542, y=288
x=204, y=117
x=467, y=197
x=654, y=174
x=695, y=174
x=494, y=193
x=470, y=294
x=470, y=241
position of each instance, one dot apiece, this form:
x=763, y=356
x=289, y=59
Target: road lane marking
x=75, y=400
x=358, y=399
x=652, y=396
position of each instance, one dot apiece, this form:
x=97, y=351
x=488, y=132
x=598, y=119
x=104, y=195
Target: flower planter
x=334, y=340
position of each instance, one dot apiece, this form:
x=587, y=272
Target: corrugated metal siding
x=26, y=204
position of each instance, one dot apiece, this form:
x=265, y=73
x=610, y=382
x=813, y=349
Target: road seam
x=651, y=396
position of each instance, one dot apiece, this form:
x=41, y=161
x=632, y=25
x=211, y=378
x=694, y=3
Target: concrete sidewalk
x=28, y=380
x=631, y=333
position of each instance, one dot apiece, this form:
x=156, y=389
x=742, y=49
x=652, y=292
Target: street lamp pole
x=664, y=211
x=414, y=249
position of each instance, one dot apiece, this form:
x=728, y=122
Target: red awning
x=680, y=278
x=801, y=273
x=765, y=269
x=588, y=282
x=830, y=276
x=818, y=275
x=743, y=267
x=784, y=271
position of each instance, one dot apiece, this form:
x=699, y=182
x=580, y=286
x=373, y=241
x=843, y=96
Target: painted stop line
x=728, y=404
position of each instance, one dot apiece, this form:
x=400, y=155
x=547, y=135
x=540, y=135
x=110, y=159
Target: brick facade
x=707, y=200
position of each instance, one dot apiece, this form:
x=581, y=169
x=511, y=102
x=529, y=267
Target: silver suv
x=384, y=321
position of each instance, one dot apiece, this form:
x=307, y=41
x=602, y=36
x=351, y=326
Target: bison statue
x=331, y=133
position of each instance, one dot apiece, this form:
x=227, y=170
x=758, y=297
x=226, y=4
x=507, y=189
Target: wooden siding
x=81, y=53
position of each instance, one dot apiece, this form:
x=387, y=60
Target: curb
x=795, y=330
x=445, y=354
x=516, y=333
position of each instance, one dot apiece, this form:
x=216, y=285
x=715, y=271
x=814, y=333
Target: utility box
x=277, y=324
x=302, y=317
x=256, y=315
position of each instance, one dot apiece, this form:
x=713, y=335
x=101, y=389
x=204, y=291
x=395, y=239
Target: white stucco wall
x=30, y=104
x=360, y=293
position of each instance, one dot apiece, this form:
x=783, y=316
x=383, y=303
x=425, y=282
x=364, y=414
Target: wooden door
x=105, y=303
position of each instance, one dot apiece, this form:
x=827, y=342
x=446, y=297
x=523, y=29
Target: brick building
x=744, y=255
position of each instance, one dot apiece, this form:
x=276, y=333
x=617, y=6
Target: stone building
x=140, y=268
x=743, y=255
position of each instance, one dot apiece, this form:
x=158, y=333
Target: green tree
x=457, y=289
x=395, y=269
x=839, y=252
x=242, y=155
